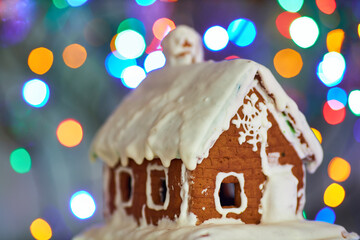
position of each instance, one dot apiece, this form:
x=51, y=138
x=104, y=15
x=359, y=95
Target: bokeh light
x=333, y=116
x=76, y=3
x=130, y=44
x=115, y=66
x=291, y=5
x=354, y=102
x=326, y=215
x=216, y=38
x=356, y=130
x=232, y=57
x=326, y=6
x=288, y=63
x=145, y=2
x=154, y=60
x=304, y=32
x=339, y=95
x=40, y=229
x=69, y=133
x=20, y=160
x=359, y=30
x=40, y=60
x=317, y=134
x=331, y=69
x=132, y=24
x=74, y=55
x=132, y=76
x=334, y=40
x=283, y=22
x=36, y=93
x=82, y=205
x=162, y=27
x=339, y=169
x=60, y=3
x=334, y=195
x=242, y=32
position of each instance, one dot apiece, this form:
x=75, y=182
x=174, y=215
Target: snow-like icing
x=180, y=111
x=125, y=228
x=185, y=218
x=149, y=200
x=118, y=194
x=219, y=179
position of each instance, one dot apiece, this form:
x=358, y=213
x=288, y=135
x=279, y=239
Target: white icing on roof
x=180, y=111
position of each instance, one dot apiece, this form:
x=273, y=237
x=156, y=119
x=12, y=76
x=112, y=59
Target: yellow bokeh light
x=40, y=60
x=339, y=169
x=69, y=133
x=334, y=195
x=74, y=55
x=288, y=63
x=40, y=229
x=359, y=30
x=334, y=40
x=317, y=134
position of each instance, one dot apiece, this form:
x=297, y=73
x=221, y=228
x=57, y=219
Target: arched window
x=157, y=189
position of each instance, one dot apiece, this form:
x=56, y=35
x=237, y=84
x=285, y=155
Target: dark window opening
x=163, y=190
x=159, y=187
x=229, y=193
x=125, y=186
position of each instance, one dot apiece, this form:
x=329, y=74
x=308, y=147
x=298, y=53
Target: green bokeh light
x=132, y=24
x=20, y=160
x=291, y=5
x=60, y=3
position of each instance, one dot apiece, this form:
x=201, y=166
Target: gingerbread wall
x=227, y=155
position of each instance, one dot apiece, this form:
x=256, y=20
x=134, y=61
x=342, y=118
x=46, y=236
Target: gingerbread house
x=206, y=142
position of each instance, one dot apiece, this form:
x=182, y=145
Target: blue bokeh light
x=242, y=32
x=216, y=38
x=326, y=215
x=356, y=130
x=145, y=2
x=337, y=94
x=76, y=3
x=82, y=205
x=36, y=93
x=115, y=66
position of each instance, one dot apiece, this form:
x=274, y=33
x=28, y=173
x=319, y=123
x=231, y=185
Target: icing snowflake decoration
x=255, y=123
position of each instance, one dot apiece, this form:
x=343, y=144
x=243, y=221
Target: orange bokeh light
x=162, y=27
x=40, y=60
x=283, y=22
x=40, y=229
x=288, y=63
x=334, y=40
x=326, y=6
x=334, y=195
x=74, y=55
x=69, y=133
x=339, y=169
x=317, y=134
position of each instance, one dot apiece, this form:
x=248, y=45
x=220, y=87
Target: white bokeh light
x=216, y=38
x=36, y=93
x=304, y=32
x=333, y=66
x=354, y=102
x=82, y=205
x=154, y=60
x=132, y=76
x=130, y=44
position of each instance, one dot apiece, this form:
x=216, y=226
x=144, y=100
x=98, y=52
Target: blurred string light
x=354, y=102
x=242, y=32
x=154, y=46
x=132, y=76
x=40, y=229
x=130, y=44
x=334, y=40
x=115, y=66
x=288, y=63
x=145, y=2
x=334, y=116
x=162, y=27
x=60, y=3
x=339, y=169
x=76, y=3
x=132, y=24
x=69, y=133
x=82, y=205
x=20, y=160
x=40, y=60
x=326, y=215
x=339, y=95
x=216, y=38
x=304, y=32
x=334, y=195
x=331, y=69
x=317, y=134
x=36, y=93
x=356, y=130
x=283, y=22
x=291, y=5
x=74, y=55
x=154, y=60
x=326, y=6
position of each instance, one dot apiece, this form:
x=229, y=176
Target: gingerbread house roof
x=180, y=111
